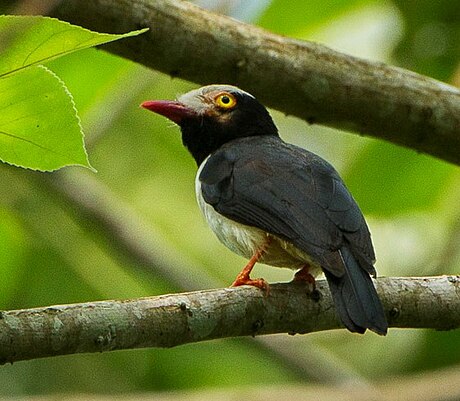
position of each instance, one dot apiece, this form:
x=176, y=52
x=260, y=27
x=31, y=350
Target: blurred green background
x=133, y=229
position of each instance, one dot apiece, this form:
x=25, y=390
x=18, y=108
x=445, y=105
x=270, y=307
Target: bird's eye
x=226, y=101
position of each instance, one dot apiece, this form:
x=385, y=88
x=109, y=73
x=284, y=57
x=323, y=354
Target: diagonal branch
x=301, y=78
x=171, y=320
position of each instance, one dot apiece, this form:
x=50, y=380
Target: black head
x=213, y=115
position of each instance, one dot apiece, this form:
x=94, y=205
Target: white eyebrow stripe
x=211, y=88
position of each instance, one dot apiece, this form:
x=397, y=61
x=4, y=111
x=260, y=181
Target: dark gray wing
x=294, y=194
x=289, y=192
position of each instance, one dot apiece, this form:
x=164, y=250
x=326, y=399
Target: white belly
x=239, y=238
x=246, y=240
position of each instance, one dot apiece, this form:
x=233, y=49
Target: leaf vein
x=28, y=141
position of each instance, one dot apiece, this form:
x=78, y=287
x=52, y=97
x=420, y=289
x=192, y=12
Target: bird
x=276, y=203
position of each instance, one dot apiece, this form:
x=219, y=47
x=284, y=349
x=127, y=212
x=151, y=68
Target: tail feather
x=355, y=297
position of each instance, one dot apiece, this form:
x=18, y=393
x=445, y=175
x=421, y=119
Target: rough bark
x=300, y=78
x=171, y=320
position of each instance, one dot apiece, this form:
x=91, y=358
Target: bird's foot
x=303, y=275
x=242, y=279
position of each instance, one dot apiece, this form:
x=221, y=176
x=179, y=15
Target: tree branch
x=134, y=244
x=301, y=78
x=171, y=320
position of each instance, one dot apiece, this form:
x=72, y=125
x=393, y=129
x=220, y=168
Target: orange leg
x=244, y=279
x=304, y=275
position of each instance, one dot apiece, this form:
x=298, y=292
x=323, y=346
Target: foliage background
x=53, y=252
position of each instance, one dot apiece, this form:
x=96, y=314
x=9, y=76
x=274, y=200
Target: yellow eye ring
x=225, y=101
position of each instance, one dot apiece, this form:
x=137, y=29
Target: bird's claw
x=257, y=282
x=303, y=275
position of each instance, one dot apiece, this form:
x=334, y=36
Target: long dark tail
x=356, y=300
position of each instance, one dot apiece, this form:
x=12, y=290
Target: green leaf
x=39, y=127
x=28, y=40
